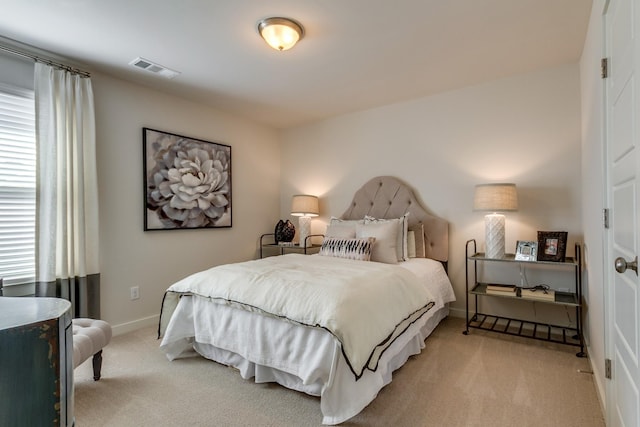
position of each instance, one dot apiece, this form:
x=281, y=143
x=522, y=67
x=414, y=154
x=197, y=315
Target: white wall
x=593, y=189
x=524, y=129
x=153, y=260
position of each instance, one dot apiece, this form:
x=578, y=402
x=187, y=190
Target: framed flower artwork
x=187, y=182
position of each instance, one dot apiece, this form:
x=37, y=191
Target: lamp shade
x=304, y=205
x=280, y=33
x=495, y=198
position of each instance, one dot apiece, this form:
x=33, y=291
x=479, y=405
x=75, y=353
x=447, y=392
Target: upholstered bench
x=89, y=338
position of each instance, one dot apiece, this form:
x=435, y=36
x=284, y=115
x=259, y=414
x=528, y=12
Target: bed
x=364, y=305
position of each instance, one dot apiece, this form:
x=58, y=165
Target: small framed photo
x=526, y=250
x=552, y=245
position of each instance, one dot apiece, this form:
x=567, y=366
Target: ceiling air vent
x=152, y=67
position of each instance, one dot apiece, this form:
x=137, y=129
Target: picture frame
x=187, y=182
x=552, y=246
x=526, y=250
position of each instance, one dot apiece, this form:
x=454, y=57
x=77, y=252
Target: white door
x=622, y=94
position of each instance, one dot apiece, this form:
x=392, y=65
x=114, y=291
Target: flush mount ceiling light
x=280, y=33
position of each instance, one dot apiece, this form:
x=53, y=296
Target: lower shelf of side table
x=563, y=298
x=527, y=329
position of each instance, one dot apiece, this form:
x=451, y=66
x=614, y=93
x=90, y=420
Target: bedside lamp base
x=304, y=230
x=494, y=235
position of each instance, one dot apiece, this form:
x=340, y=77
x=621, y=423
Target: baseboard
x=598, y=376
x=457, y=312
x=123, y=328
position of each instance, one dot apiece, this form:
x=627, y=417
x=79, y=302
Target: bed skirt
x=301, y=358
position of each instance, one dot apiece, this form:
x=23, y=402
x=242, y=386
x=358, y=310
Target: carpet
x=483, y=379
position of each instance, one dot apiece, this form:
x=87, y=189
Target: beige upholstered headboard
x=388, y=197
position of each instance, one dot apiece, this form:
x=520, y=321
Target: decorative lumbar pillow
x=403, y=225
x=386, y=233
x=418, y=232
x=358, y=249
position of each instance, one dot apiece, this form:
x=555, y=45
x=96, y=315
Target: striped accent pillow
x=358, y=249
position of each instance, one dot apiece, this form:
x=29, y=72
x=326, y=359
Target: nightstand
x=267, y=241
x=513, y=326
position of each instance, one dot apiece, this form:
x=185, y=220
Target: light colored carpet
x=484, y=379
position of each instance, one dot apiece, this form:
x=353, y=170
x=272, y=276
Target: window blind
x=17, y=185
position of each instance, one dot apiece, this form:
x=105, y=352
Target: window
x=17, y=185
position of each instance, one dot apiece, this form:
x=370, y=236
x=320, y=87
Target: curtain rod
x=47, y=61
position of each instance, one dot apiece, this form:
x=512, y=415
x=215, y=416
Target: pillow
x=358, y=249
x=418, y=232
x=386, y=234
x=411, y=244
x=346, y=221
x=341, y=230
x=403, y=224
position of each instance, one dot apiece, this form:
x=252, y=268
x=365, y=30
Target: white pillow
x=343, y=227
x=411, y=244
x=403, y=225
x=335, y=220
x=386, y=234
x=341, y=230
x=358, y=249
x=418, y=231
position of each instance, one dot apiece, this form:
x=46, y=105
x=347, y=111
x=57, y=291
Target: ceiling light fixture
x=280, y=33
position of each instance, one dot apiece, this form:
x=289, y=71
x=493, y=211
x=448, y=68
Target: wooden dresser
x=36, y=367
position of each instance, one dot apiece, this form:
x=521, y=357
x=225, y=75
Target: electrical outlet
x=135, y=292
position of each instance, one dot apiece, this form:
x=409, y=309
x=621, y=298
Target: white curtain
x=67, y=190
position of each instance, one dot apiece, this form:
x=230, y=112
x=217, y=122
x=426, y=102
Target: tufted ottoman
x=89, y=337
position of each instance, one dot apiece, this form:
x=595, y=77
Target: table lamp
x=495, y=198
x=304, y=206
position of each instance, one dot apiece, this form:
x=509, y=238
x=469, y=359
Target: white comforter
x=365, y=305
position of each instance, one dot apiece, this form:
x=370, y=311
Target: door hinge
x=604, y=68
x=607, y=368
x=605, y=217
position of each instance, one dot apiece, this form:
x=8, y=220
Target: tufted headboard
x=388, y=197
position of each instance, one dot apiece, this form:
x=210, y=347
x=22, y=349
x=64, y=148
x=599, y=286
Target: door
x=622, y=94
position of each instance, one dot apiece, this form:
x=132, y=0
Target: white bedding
x=365, y=305
x=303, y=358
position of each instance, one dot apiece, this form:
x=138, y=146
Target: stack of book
x=504, y=290
x=540, y=294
